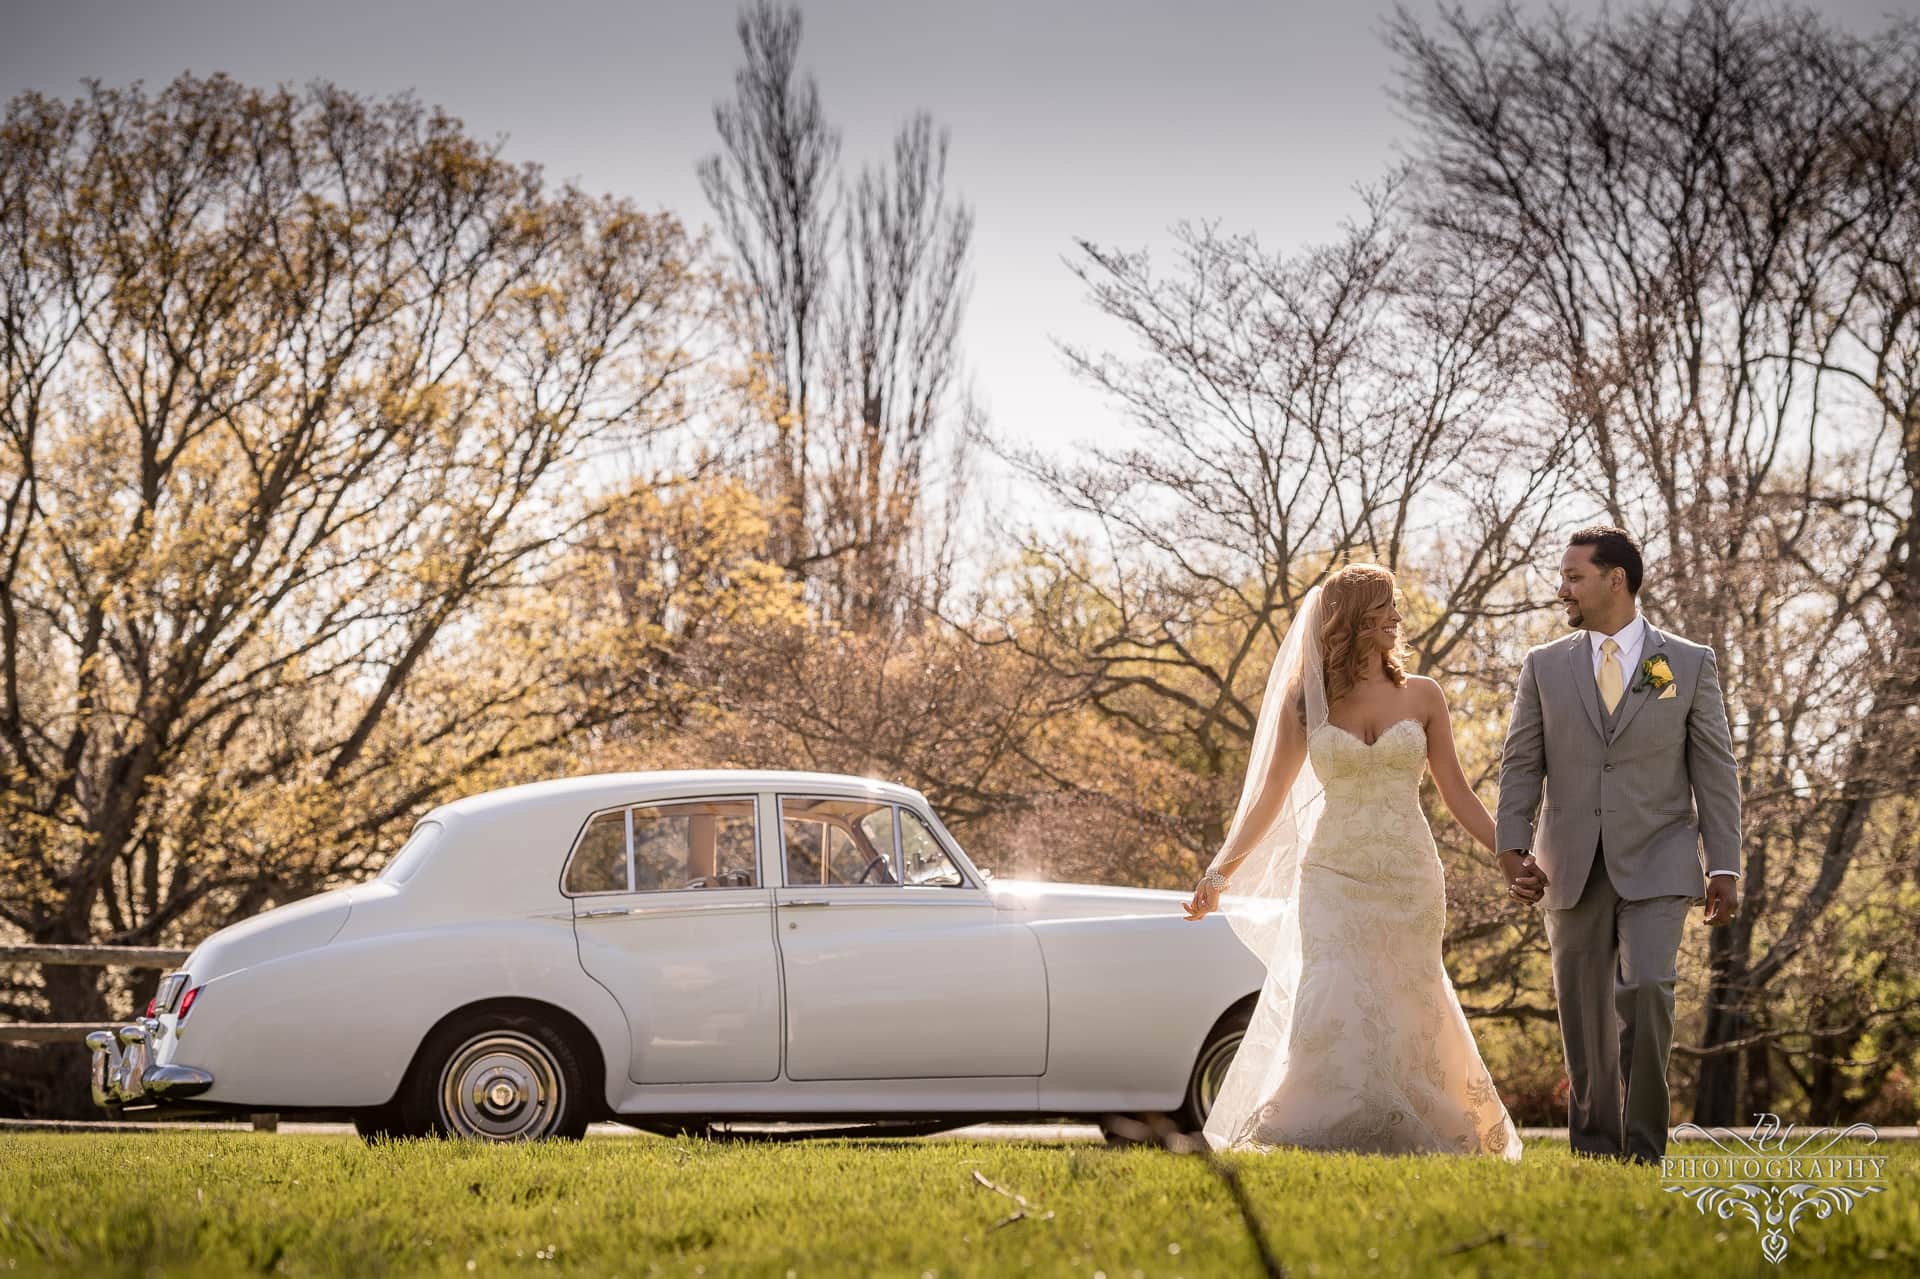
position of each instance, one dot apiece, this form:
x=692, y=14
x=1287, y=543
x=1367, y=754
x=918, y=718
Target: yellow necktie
x=1610, y=681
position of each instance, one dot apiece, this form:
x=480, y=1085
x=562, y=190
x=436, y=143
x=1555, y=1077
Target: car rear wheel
x=497, y=1076
x=380, y=1123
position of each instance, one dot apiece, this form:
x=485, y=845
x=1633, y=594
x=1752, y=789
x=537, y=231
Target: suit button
x=1606, y=768
x=1596, y=812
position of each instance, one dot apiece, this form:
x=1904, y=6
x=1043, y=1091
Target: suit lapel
x=1580, y=663
x=1655, y=643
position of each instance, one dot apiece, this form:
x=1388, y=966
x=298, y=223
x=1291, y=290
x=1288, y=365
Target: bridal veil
x=1262, y=901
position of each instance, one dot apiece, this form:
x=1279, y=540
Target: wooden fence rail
x=51, y=1032
x=55, y=1032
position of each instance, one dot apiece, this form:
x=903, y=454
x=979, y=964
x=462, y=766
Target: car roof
x=608, y=789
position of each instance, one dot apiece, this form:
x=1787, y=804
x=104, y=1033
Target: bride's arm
x=1289, y=753
x=1445, y=763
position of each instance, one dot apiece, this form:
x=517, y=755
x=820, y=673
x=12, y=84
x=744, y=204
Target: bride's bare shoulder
x=1427, y=693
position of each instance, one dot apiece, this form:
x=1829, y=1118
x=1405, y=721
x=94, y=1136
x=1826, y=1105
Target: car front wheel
x=1203, y=1087
x=497, y=1076
x=1210, y=1069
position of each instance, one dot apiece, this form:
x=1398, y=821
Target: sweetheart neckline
x=1369, y=745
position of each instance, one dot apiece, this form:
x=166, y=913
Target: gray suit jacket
x=1652, y=792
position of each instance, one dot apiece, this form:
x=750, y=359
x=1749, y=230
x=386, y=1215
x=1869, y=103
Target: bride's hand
x=1205, y=900
x=1526, y=882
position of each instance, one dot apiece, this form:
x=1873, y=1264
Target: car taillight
x=186, y=1004
x=150, y=1006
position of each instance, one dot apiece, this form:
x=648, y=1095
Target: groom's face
x=1584, y=589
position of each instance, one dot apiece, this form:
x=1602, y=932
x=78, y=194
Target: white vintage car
x=679, y=949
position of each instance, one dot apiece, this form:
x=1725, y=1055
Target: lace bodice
x=1372, y=826
x=1352, y=770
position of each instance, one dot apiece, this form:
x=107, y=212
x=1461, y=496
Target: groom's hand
x=1722, y=901
x=1525, y=880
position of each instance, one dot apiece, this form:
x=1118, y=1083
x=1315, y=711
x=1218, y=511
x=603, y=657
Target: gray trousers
x=1613, y=975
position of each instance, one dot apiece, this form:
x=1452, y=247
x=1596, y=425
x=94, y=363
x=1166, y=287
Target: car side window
x=837, y=841
x=700, y=845
x=921, y=856
x=599, y=864
x=706, y=843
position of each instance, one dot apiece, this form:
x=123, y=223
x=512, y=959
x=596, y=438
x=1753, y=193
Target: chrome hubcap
x=1212, y=1071
x=501, y=1086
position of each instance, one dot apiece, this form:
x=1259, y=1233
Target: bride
x=1331, y=877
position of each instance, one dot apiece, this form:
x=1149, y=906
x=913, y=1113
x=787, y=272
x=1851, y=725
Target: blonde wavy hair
x=1345, y=600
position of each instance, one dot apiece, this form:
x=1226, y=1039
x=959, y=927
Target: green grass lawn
x=198, y=1203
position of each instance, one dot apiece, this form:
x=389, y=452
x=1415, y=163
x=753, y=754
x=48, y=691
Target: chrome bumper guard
x=123, y=1072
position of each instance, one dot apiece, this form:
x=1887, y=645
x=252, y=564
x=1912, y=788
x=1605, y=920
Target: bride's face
x=1381, y=627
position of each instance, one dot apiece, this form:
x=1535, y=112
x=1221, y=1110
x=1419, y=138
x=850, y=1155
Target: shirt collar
x=1626, y=637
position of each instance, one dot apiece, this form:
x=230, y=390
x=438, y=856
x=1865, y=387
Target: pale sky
x=1105, y=119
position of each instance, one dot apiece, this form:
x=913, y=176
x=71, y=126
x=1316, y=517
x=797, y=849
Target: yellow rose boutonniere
x=1656, y=675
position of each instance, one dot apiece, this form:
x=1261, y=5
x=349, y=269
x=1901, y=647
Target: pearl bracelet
x=1215, y=880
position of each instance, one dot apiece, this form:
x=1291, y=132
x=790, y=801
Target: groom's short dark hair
x=1613, y=548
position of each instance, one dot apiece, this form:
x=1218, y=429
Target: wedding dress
x=1380, y=1058
x=1357, y=1041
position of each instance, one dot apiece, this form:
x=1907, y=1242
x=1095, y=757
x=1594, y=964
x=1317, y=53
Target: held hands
x=1722, y=900
x=1526, y=882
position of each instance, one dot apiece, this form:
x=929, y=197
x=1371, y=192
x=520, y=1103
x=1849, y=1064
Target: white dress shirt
x=1631, y=638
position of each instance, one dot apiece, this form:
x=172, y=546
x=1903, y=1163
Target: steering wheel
x=736, y=877
x=878, y=863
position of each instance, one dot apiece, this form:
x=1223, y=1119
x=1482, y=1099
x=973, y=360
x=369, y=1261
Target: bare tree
x=851, y=306
x=1289, y=414
x=772, y=189
x=1688, y=186
x=901, y=297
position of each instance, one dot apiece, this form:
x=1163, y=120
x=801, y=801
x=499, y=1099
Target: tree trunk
x=1717, y=1091
x=1760, y=1083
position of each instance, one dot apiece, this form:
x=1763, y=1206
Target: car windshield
x=413, y=854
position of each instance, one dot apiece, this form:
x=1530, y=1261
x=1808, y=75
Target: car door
x=896, y=963
x=672, y=916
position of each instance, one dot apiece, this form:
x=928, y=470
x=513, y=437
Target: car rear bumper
x=123, y=1073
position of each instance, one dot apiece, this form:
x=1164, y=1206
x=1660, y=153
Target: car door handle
x=808, y=901
x=605, y=912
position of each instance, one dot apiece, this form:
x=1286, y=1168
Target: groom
x=1626, y=728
